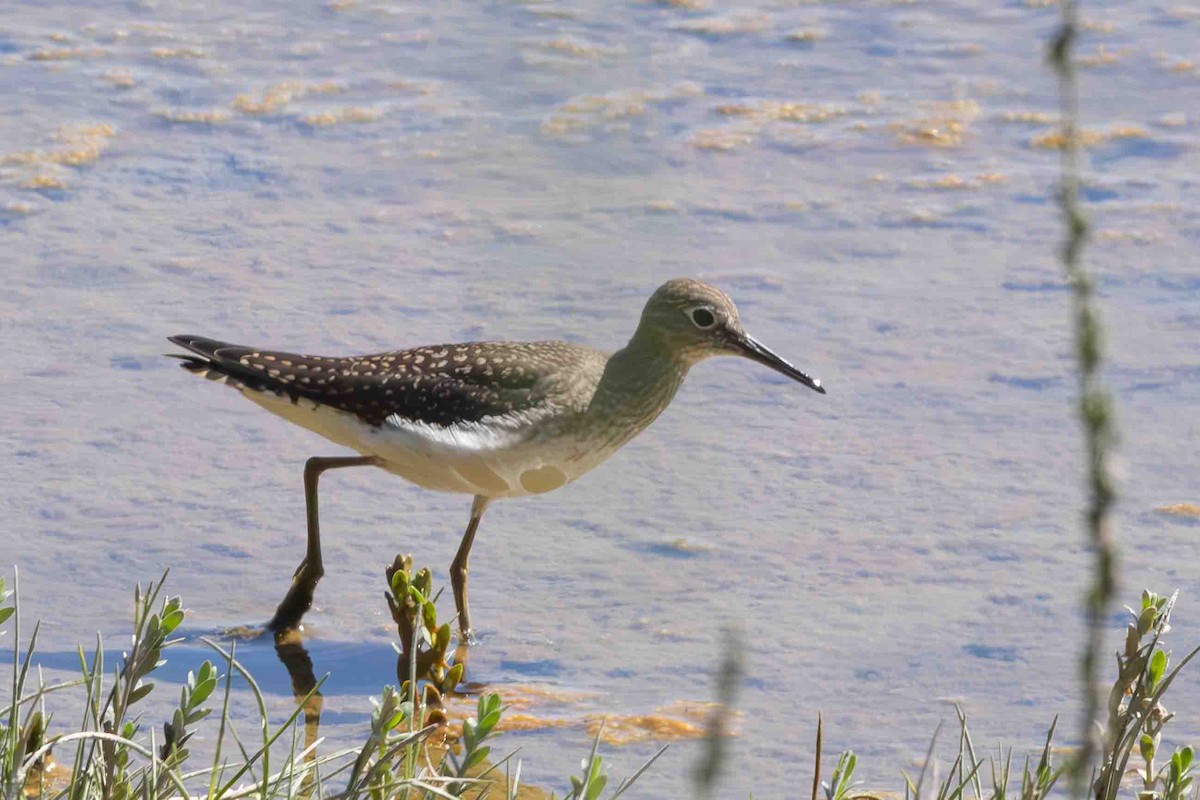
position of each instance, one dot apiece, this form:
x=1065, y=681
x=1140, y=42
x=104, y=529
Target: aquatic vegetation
x=341, y=115
x=591, y=111
x=722, y=140
x=1027, y=117
x=67, y=53
x=1103, y=57
x=581, y=49
x=943, y=124
x=1180, y=510
x=46, y=170
x=119, y=79
x=1057, y=139
x=411, y=750
x=78, y=146
x=43, y=181
x=1135, y=721
x=213, y=116
x=177, y=52
x=277, y=96
x=806, y=35
x=953, y=182
x=771, y=110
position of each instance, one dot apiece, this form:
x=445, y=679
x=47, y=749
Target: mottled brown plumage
x=439, y=385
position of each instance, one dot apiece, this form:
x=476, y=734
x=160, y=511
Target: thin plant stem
x=1095, y=406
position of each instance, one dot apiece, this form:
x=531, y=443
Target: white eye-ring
x=702, y=317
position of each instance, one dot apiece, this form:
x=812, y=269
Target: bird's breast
x=507, y=458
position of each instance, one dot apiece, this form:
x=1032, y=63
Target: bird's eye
x=703, y=318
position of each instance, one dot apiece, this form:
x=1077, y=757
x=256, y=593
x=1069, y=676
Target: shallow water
x=870, y=181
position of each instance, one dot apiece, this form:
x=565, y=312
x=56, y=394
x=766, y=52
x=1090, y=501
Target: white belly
x=503, y=458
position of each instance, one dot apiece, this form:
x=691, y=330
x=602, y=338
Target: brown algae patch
x=539, y=708
x=721, y=140
x=683, y=545
x=663, y=207
x=1173, y=119
x=1129, y=236
x=589, y=111
x=1180, y=510
x=773, y=110
x=82, y=144
x=1028, y=117
x=953, y=182
x=406, y=85
x=1179, y=66
x=530, y=722
x=342, y=115
x=44, y=182
x=1103, y=57
x=213, y=116
x=805, y=35
x=79, y=145
x=275, y=97
x=166, y=53
x=581, y=49
x=119, y=79
x=1097, y=25
x=526, y=706
x=636, y=728
x=765, y=117
x=678, y=721
x=67, y=53
x=527, y=695
x=1057, y=139
x=943, y=125
x=616, y=106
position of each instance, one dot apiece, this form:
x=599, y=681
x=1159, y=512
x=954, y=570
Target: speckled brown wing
x=439, y=385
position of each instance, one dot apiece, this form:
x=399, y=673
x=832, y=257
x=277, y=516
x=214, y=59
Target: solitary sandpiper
x=489, y=419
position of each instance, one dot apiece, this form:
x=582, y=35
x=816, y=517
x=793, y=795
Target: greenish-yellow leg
x=299, y=597
x=458, y=569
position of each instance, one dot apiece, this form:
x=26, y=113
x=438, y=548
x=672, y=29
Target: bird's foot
x=245, y=633
x=298, y=600
x=467, y=638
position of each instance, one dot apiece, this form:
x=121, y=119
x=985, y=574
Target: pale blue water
x=908, y=540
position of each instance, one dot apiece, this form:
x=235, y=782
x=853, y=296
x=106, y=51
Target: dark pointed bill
x=755, y=350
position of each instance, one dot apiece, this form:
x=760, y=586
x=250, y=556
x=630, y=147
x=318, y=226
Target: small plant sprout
x=1136, y=715
x=841, y=785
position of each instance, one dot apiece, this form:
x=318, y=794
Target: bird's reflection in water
x=299, y=665
x=289, y=647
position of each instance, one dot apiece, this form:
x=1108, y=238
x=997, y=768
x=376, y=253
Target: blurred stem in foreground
x=715, y=743
x=1095, y=404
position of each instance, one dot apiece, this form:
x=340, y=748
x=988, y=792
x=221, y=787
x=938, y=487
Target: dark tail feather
x=208, y=361
x=191, y=363
x=223, y=362
x=200, y=345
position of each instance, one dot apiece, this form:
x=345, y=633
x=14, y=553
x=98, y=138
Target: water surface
x=873, y=182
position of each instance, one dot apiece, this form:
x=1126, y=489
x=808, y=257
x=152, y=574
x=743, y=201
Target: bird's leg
x=458, y=569
x=299, y=597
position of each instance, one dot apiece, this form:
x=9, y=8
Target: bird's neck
x=638, y=383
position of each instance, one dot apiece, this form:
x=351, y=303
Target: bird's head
x=697, y=321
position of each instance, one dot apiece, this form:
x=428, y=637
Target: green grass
x=410, y=750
